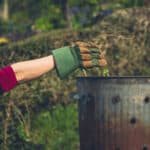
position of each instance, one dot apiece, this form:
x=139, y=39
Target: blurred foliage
x=44, y=15
x=126, y=3
x=30, y=118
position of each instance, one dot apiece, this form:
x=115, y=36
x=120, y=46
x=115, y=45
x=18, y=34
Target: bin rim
x=116, y=79
x=113, y=77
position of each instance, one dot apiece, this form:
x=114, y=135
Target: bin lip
x=113, y=77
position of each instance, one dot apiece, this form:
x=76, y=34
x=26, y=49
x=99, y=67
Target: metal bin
x=114, y=113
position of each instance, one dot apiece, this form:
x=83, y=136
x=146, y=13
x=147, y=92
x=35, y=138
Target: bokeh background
x=41, y=114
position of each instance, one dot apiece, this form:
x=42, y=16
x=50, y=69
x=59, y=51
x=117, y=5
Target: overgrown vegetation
x=55, y=128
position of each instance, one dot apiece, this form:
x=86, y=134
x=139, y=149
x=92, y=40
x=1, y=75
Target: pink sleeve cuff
x=7, y=79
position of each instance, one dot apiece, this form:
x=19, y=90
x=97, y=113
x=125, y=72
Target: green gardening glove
x=80, y=55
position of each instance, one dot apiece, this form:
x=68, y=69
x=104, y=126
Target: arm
x=28, y=70
x=16, y=73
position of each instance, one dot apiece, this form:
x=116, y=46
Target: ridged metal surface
x=114, y=113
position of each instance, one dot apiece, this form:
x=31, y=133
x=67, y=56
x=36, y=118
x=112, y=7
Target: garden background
x=41, y=114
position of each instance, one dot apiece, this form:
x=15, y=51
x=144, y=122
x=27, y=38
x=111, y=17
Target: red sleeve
x=7, y=79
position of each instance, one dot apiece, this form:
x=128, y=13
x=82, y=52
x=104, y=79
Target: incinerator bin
x=114, y=113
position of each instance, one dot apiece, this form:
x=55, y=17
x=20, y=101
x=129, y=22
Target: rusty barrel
x=114, y=113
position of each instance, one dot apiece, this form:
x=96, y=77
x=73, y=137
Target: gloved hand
x=80, y=55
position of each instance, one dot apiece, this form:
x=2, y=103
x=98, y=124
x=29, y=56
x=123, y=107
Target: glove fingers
x=94, y=63
x=87, y=64
x=90, y=55
x=84, y=50
x=86, y=56
x=87, y=50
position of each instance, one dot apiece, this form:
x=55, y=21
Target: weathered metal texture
x=114, y=113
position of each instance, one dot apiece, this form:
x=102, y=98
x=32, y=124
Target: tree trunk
x=1, y=11
x=66, y=12
x=6, y=11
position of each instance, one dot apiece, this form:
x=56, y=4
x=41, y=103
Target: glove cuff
x=66, y=61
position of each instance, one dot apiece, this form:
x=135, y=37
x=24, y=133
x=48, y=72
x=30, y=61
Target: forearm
x=13, y=74
x=28, y=70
